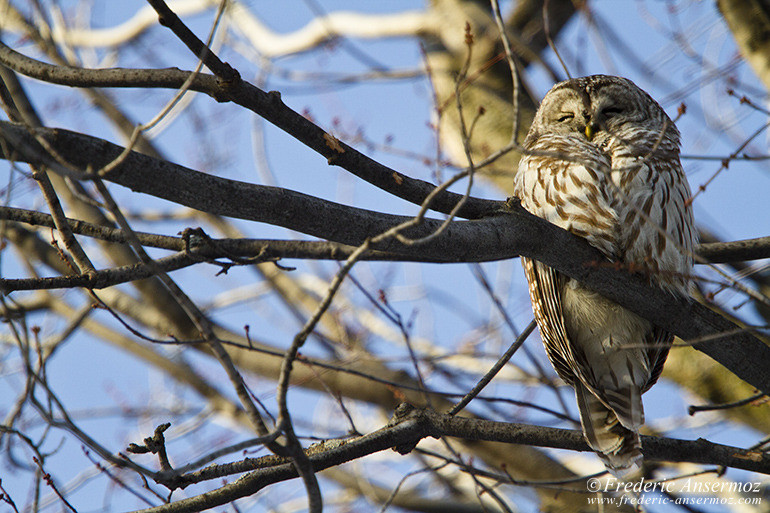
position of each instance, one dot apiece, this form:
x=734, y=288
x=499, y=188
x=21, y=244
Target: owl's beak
x=589, y=131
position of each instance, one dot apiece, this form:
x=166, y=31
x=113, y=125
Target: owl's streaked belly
x=611, y=338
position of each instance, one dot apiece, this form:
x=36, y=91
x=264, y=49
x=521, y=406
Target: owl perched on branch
x=601, y=160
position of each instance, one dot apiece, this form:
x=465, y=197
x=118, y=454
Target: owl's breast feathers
x=625, y=201
x=564, y=180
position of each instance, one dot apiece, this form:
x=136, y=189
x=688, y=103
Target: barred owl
x=602, y=161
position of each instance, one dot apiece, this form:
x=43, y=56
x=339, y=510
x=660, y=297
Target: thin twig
x=514, y=69
x=491, y=373
x=693, y=409
x=84, y=265
x=547, y=32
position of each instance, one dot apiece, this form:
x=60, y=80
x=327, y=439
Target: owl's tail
x=618, y=446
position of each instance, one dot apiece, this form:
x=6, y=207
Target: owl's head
x=602, y=108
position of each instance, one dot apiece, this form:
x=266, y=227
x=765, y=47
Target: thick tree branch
x=281, y=207
x=496, y=237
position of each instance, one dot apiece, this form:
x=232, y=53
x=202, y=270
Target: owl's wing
x=545, y=286
x=659, y=341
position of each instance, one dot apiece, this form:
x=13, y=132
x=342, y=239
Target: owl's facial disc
x=566, y=112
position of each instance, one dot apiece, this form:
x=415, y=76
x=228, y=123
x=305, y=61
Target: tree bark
x=749, y=21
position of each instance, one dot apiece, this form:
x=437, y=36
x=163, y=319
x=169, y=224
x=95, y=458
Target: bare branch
x=267, y=105
x=410, y=425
